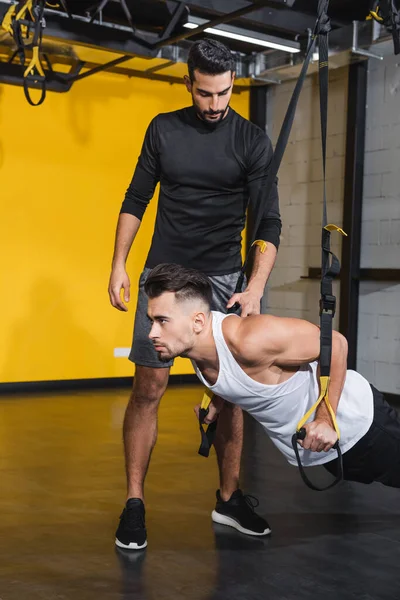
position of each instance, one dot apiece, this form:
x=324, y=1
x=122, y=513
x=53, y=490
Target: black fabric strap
x=35, y=81
x=263, y=199
x=37, y=24
x=330, y=265
x=339, y=477
x=207, y=435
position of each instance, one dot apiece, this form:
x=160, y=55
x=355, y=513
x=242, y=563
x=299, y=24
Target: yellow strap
x=6, y=22
x=374, y=15
x=331, y=227
x=207, y=397
x=261, y=244
x=324, y=382
x=35, y=62
x=27, y=6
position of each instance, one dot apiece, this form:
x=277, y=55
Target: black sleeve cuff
x=270, y=231
x=133, y=208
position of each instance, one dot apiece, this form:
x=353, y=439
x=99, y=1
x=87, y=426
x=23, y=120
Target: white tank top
x=280, y=407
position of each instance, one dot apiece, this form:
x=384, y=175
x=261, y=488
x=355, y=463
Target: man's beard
x=204, y=113
x=164, y=358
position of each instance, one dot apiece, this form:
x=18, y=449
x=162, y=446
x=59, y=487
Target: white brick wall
x=301, y=195
x=379, y=308
x=300, y=189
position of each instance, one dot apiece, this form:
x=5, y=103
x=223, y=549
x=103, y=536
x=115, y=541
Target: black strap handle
x=35, y=81
x=300, y=435
x=207, y=435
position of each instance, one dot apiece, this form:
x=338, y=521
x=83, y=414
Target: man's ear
x=233, y=76
x=199, y=321
x=188, y=83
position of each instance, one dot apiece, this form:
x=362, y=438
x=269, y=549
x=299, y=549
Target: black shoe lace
x=133, y=518
x=251, y=501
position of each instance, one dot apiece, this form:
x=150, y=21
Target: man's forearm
x=127, y=228
x=337, y=376
x=262, y=267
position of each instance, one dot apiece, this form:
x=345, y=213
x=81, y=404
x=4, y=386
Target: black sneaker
x=238, y=512
x=131, y=532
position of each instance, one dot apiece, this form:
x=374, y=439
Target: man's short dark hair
x=187, y=284
x=210, y=57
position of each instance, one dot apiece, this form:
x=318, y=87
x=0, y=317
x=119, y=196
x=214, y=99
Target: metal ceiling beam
x=274, y=3
x=275, y=15
x=105, y=37
x=225, y=18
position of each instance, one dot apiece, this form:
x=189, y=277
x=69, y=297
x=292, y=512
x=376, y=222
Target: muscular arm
x=262, y=267
x=127, y=228
x=137, y=197
x=268, y=229
x=281, y=342
x=296, y=338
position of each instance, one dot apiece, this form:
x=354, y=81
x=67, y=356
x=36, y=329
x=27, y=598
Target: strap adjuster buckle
x=327, y=304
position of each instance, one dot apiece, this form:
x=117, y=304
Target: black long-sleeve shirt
x=207, y=177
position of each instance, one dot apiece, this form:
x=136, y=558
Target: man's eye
x=223, y=93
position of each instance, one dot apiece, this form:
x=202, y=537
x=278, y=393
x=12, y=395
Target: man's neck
x=205, y=352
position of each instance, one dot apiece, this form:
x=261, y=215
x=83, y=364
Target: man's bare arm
x=292, y=342
x=127, y=228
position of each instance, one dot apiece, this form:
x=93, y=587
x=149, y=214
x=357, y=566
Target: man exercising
x=268, y=366
x=210, y=163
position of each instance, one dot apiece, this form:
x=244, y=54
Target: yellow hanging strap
x=374, y=14
x=6, y=23
x=24, y=9
x=331, y=227
x=261, y=244
x=35, y=63
x=324, y=395
x=207, y=397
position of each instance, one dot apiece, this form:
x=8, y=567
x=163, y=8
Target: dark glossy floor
x=62, y=490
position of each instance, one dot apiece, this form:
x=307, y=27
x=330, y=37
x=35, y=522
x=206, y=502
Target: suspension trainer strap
x=330, y=266
x=263, y=199
x=34, y=74
x=207, y=435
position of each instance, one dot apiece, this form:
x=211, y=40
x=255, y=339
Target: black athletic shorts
x=376, y=457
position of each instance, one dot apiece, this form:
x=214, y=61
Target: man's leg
x=140, y=425
x=228, y=446
x=232, y=508
x=140, y=435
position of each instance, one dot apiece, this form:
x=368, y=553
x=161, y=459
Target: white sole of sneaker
x=131, y=546
x=224, y=520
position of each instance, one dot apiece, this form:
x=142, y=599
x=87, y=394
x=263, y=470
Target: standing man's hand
x=119, y=280
x=249, y=301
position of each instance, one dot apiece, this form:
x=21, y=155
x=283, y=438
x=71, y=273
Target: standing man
x=210, y=163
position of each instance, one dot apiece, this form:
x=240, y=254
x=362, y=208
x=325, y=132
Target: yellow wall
x=64, y=170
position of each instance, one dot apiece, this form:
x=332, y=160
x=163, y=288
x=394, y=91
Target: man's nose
x=214, y=103
x=152, y=333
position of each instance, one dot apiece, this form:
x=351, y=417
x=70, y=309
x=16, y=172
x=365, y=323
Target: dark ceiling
x=288, y=19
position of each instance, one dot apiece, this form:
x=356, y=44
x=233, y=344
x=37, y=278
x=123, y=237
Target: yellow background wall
x=64, y=169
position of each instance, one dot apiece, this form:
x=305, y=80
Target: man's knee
x=149, y=386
